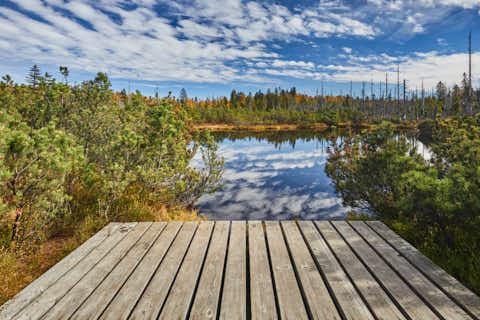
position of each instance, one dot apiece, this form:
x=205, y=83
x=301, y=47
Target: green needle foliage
x=435, y=204
x=34, y=164
x=70, y=152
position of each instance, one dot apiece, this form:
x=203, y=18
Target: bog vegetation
x=384, y=101
x=72, y=159
x=434, y=204
x=76, y=156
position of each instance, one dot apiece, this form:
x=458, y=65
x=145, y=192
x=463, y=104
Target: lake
x=274, y=176
x=277, y=176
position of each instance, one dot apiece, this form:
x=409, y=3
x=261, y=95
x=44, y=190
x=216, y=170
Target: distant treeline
x=376, y=102
x=392, y=102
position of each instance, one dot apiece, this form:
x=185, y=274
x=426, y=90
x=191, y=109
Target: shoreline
x=259, y=127
x=293, y=127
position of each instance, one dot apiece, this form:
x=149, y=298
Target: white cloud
x=406, y=18
x=467, y=4
x=194, y=30
x=261, y=64
x=230, y=12
x=295, y=73
x=212, y=42
x=297, y=155
x=321, y=28
x=418, y=28
x=429, y=67
x=442, y=42
x=339, y=25
x=299, y=164
x=351, y=26
x=151, y=45
x=207, y=39
x=299, y=64
x=400, y=4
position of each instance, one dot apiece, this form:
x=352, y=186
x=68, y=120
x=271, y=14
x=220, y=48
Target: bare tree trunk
x=405, y=109
x=398, y=91
x=18, y=214
x=470, y=106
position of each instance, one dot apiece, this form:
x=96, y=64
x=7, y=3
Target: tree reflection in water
x=275, y=176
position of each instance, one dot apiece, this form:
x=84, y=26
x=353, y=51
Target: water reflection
x=274, y=176
x=277, y=176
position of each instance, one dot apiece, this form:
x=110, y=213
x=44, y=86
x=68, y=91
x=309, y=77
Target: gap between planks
x=246, y=270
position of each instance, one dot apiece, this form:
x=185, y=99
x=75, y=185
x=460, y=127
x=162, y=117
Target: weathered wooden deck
x=287, y=270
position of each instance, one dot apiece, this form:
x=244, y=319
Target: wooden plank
x=169, y=273
x=94, y=305
x=48, y=298
x=398, y=289
x=379, y=301
x=69, y=303
x=290, y=299
x=207, y=297
x=319, y=300
x=127, y=297
x=347, y=297
x=151, y=301
x=234, y=298
x=434, y=296
x=261, y=286
x=180, y=297
x=452, y=287
x=38, y=286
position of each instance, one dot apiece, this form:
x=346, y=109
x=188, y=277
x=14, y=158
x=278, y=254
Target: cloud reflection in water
x=267, y=181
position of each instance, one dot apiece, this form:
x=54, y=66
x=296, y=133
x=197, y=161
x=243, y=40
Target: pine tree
x=64, y=71
x=8, y=79
x=441, y=91
x=33, y=77
x=233, y=99
x=183, y=96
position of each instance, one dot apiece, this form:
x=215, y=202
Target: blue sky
x=212, y=46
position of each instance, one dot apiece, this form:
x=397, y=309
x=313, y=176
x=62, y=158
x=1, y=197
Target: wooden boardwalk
x=245, y=270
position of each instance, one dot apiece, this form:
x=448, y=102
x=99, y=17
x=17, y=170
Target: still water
x=274, y=176
x=278, y=176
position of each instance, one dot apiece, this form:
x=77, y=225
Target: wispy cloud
x=442, y=42
x=428, y=67
x=203, y=41
x=143, y=45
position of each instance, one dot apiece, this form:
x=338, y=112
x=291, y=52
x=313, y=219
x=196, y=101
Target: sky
x=210, y=47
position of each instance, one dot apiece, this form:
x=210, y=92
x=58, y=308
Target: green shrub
x=433, y=204
x=34, y=164
x=70, y=153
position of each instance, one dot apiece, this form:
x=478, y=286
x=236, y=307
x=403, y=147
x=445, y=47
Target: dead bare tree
x=470, y=106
